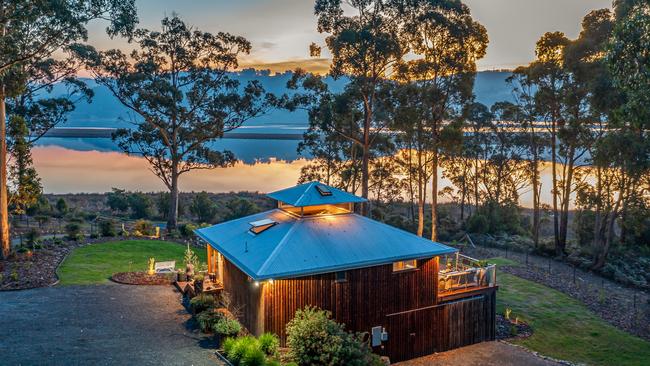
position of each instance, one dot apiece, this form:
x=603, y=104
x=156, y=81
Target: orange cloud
x=316, y=65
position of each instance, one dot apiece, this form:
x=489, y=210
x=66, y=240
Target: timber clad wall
x=403, y=302
x=244, y=296
x=361, y=302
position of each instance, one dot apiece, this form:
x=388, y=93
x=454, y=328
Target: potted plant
x=198, y=282
x=182, y=276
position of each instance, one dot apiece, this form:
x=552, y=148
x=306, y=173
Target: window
x=342, y=276
x=261, y=225
x=323, y=190
x=404, y=265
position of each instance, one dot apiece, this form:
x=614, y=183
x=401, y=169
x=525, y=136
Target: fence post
x=526, y=257
x=549, y=265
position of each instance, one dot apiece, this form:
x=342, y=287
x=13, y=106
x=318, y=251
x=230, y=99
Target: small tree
x=240, y=207
x=141, y=205
x=61, y=206
x=203, y=208
x=118, y=200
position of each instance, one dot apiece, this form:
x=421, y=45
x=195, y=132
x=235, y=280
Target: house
x=413, y=296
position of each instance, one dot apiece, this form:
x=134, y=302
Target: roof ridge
x=276, y=250
x=310, y=184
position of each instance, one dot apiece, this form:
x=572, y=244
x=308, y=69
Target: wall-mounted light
x=257, y=283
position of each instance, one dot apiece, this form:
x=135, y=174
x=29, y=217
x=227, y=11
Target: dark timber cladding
x=402, y=302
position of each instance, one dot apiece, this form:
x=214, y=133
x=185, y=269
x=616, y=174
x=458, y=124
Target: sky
x=280, y=31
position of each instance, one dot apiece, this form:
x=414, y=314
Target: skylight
x=323, y=190
x=261, y=225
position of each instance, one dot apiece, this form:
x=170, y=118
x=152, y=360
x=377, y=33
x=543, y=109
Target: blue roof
x=308, y=194
x=298, y=246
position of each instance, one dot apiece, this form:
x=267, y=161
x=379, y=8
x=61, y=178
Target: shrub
x=187, y=230
x=238, y=348
x=315, y=339
x=208, y=318
x=144, y=227
x=227, y=327
x=478, y=224
x=253, y=356
x=269, y=343
x=32, y=236
x=191, y=257
x=73, y=231
x=94, y=235
x=201, y=302
x=107, y=228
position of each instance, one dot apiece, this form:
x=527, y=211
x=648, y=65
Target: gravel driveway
x=99, y=325
x=482, y=354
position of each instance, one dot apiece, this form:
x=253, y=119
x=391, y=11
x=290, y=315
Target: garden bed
x=143, y=278
x=507, y=329
x=35, y=268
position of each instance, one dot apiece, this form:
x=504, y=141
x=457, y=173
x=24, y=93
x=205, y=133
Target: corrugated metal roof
x=318, y=244
x=307, y=195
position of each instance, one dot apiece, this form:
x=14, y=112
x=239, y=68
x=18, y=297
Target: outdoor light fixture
x=257, y=283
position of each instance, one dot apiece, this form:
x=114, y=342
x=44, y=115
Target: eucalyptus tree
x=32, y=31
x=364, y=43
x=622, y=157
x=548, y=75
x=178, y=86
x=446, y=43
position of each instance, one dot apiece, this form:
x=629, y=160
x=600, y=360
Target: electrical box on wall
x=379, y=335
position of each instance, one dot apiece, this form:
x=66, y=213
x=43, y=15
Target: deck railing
x=460, y=273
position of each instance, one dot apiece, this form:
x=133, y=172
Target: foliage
x=239, y=207
x=207, y=319
x=118, y=200
x=315, y=339
x=73, y=231
x=202, y=302
x=107, y=227
x=187, y=230
x=269, y=343
x=227, y=326
x=177, y=83
x=203, y=208
x=247, y=350
x=61, y=206
x=144, y=227
x=191, y=258
x=26, y=183
x=141, y=205
x=32, y=236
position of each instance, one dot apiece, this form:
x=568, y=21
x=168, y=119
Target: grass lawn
x=94, y=264
x=564, y=328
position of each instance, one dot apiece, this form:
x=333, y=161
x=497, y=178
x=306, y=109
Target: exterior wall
x=246, y=298
x=403, y=302
x=362, y=302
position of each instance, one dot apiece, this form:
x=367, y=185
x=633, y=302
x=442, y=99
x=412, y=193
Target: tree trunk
x=556, y=223
x=421, y=179
x=5, y=240
x=172, y=218
x=434, y=195
x=566, y=199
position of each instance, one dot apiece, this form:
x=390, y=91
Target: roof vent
x=261, y=225
x=323, y=190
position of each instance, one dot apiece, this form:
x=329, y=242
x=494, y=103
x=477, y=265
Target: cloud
x=266, y=45
x=315, y=65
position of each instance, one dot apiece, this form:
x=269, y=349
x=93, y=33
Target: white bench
x=165, y=267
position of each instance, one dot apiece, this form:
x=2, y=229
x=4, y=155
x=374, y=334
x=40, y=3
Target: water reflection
x=65, y=170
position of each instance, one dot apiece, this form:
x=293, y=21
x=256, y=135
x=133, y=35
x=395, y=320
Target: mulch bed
x=507, y=329
x=142, y=278
x=23, y=271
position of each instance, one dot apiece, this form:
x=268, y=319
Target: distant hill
x=106, y=111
